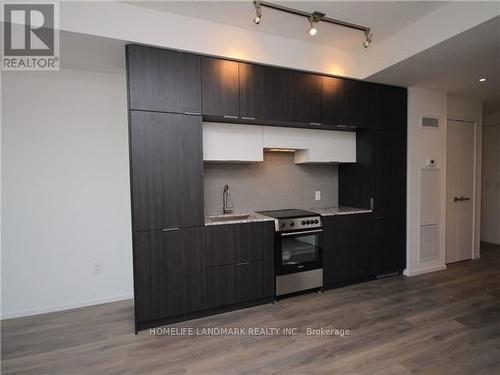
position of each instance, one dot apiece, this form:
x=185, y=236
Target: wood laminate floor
x=446, y=322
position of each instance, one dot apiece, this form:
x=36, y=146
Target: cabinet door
x=169, y=273
x=238, y=283
x=355, y=103
x=165, y=81
x=262, y=91
x=303, y=95
x=389, y=245
x=220, y=87
x=235, y=243
x=166, y=170
x=332, y=107
x=347, y=253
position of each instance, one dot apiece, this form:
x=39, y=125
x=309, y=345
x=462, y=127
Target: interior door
x=460, y=189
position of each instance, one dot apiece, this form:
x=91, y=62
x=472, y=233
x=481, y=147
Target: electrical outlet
x=97, y=268
x=317, y=195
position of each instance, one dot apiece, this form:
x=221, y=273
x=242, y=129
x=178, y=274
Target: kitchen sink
x=229, y=217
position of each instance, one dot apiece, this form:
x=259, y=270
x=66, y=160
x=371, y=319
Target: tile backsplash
x=273, y=184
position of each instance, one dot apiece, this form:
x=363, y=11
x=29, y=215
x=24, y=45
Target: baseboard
x=406, y=272
x=68, y=306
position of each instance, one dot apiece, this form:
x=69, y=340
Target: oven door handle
x=305, y=232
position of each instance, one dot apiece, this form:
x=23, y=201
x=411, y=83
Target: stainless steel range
x=298, y=249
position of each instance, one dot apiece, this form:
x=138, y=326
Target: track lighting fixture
x=313, y=19
x=258, y=13
x=368, y=39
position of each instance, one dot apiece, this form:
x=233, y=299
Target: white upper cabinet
x=291, y=138
x=232, y=142
x=327, y=146
x=246, y=143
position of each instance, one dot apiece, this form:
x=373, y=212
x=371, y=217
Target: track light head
x=258, y=13
x=368, y=39
x=313, y=20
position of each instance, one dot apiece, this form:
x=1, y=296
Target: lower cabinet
x=240, y=282
x=169, y=273
x=347, y=252
x=240, y=266
x=389, y=243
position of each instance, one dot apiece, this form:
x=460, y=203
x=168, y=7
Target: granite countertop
x=330, y=211
x=253, y=217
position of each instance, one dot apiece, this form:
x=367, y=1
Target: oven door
x=299, y=251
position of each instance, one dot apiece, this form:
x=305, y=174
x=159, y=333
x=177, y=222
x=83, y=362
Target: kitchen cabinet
x=332, y=107
x=236, y=243
x=239, y=283
x=232, y=142
x=355, y=103
x=326, y=146
x=166, y=170
x=288, y=138
x=220, y=87
x=279, y=95
x=262, y=91
x=162, y=80
x=347, y=253
x=240, y=262
x=378, y=179
x=169, y=276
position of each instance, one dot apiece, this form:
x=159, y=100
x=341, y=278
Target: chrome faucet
x=227, y=206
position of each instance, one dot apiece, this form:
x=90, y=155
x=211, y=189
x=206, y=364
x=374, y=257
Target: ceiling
x=455, y=65
x=384, y=17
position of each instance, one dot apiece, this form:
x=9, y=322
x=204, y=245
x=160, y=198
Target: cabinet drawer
x=234, y=243
x=240, y=282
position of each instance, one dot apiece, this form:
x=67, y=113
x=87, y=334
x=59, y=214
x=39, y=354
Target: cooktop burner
x=287, y=213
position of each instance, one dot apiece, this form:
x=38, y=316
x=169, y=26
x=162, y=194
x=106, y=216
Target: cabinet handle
x=242, y=264
x=170, y=229
x=315, y=123
x=372, y=203
x=230, y=116
x=342, y=126
x=192, y=113
x=247, y=118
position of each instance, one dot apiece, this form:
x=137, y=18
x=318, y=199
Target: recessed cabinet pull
x=247, y=118
x=230, y=116
x=170, y=229
x=242, y=264
x=192, y=113
x=316, y=123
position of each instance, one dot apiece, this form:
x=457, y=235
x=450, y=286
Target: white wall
x=471, y=110
x=490, y=214
x=423, y=144
x=65, y=190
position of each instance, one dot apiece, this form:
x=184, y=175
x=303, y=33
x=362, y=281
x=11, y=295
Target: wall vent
x=430, y=122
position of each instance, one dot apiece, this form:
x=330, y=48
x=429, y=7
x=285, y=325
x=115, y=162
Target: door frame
x=474, y=184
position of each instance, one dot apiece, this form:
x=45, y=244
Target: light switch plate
x=317, y=195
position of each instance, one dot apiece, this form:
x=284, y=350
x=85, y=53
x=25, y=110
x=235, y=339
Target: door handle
x=464, y=198
x=457, y=199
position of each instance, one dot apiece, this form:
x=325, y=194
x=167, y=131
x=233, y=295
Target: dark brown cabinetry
x=234, y=243
x=347, y=252
x=378, y=179
x=165, y=81
x=240, y=263
x=332, y=101
x=169, y=273
x=220, y=88
x=167, y=170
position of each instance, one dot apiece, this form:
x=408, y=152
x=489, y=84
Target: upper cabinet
x=167, y=170
x=164, y=81
x=355, y=103
x=232, y=142
x=220, y=87
x=328, y=147
x=303, y=95
x=332, y=101
x=262, y=92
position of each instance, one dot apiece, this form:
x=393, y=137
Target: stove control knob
x=303, y=222
x=316, y=221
